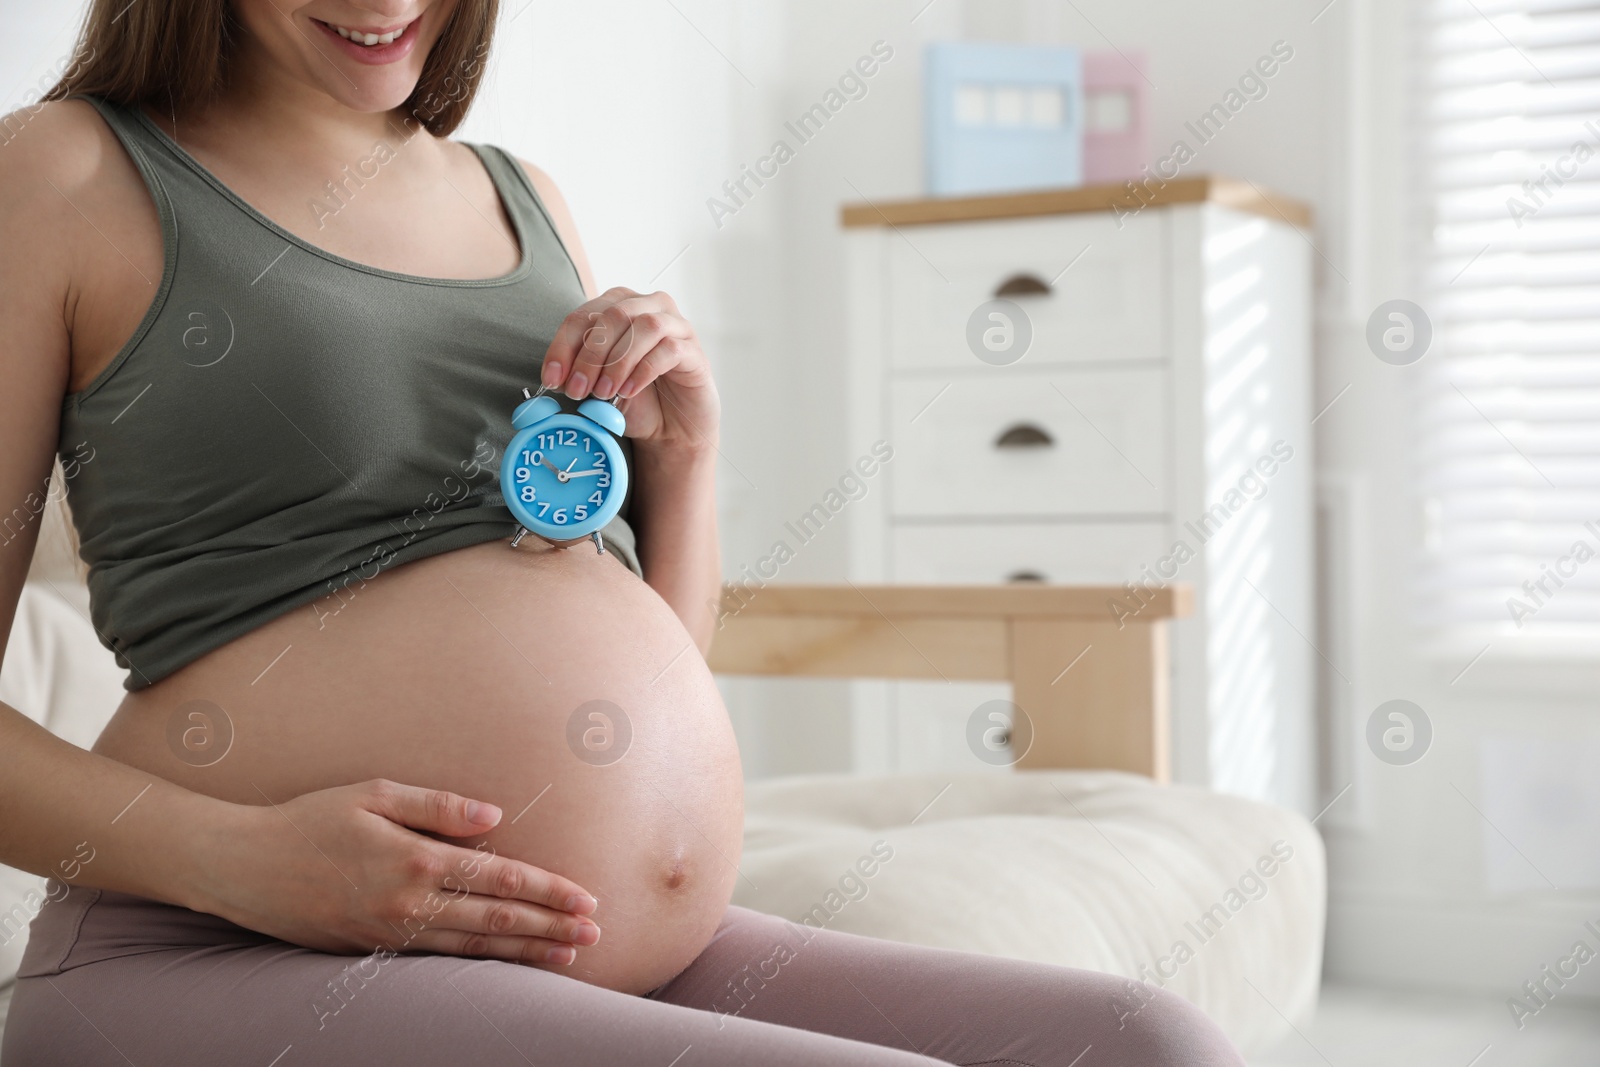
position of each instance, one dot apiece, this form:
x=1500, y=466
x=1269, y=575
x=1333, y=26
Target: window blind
x=1507, y=171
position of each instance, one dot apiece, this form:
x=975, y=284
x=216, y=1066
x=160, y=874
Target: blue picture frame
x=1002, y=117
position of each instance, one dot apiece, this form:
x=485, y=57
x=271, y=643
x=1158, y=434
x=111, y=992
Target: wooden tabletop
x=1240, y=195
x=956, y=601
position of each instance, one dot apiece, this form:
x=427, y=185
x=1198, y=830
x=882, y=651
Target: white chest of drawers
x=1157, y=429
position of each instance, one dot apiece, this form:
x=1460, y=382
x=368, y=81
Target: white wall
x=1425, y=857
x=35, y=46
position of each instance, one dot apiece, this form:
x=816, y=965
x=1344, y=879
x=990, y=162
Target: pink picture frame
x=1116, y=120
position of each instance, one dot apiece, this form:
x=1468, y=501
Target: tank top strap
x=124, y=122
x=163, y=175
x=175, y=178
x=528, y=211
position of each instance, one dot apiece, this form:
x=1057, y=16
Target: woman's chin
x=376, y=91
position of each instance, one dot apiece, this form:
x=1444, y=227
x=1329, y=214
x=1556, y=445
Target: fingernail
x=586, y=934
x=576, y=384
x=477, y=812
x=629, y=387
x=562, y=955
x=552, y=375
x=602, y=388
x=581, y=903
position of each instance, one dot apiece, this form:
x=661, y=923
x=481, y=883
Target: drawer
x=1111, y=304
x=1078, y=553
x=930, y=726
x=1004, y=444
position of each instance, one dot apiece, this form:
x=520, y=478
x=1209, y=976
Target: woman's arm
x=56, y=797
x=676, y=515
x=88, y=820
x=638, y=350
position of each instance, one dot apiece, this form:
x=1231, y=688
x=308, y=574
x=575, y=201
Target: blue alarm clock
x=564, y=476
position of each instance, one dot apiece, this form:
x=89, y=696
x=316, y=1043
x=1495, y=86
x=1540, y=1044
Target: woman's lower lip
x=374, y=55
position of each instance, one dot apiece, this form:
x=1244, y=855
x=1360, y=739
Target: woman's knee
x=1150, y=1027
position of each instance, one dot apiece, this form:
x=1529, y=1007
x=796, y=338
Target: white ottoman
x=1219, y=899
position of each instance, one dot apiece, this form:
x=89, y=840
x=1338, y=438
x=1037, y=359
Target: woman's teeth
x=368, y=39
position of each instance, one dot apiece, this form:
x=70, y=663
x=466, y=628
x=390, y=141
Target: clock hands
x=569, y=473
x=560, y=474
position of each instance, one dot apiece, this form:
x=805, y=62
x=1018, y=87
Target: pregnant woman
x=386, y=788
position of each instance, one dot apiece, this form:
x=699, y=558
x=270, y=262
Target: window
x=1507, y=169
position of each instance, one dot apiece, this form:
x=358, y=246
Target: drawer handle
x=1025, y=576
x=1023, y=285
x=1024, y=435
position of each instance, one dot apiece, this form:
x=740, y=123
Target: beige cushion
x=1091, y=869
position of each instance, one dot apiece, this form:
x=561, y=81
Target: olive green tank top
x=285, y=424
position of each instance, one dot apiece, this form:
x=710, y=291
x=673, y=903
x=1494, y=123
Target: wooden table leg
x=1096, y=696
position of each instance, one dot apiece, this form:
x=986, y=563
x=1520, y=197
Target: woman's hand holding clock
x=640, y=353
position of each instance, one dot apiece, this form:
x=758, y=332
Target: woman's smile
x=375, y=45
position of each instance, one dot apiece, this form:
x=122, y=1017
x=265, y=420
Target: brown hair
x=174, y=54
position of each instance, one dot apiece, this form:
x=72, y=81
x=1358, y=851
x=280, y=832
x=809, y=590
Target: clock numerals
x=563, y=479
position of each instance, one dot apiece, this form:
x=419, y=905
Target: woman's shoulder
x=64, y=137
x=50, y=153
x=542, y=182
x=69, y=195
x=549, y=193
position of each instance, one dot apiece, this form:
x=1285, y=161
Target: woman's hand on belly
x=371, y=883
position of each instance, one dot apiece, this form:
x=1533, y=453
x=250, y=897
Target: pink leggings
x=117, y=980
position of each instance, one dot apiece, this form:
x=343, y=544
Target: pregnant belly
x=552, y=683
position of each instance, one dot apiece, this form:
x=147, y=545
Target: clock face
x=562, y=480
